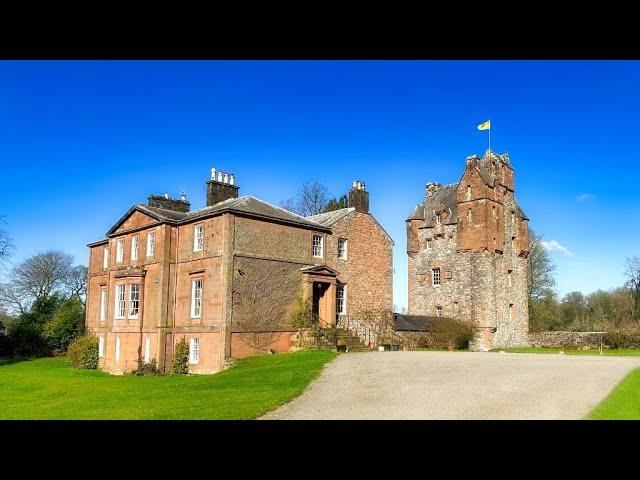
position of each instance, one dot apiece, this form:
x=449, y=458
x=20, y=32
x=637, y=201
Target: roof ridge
x=280, y=208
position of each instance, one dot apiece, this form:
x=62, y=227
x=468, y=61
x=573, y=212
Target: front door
x=319, y=308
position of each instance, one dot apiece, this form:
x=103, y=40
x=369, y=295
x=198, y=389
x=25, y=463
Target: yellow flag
x=485, y=126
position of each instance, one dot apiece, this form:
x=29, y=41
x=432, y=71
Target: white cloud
x=555, y=245
x=585, y=196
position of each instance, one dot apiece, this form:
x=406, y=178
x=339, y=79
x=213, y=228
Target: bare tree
x=263, y=293
x=76, y=283
x=311, y=199
x=632, y=272
x=540, y=279
x=5, y=243
x=36, y=278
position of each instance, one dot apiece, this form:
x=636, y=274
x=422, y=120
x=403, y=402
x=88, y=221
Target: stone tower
x=468, y=244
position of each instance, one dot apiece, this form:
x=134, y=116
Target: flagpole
x=489, y=135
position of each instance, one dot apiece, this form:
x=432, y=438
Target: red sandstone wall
x=368, y=269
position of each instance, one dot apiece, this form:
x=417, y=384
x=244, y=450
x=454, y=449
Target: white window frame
x=429, y=247
x=317, y=247
x=468, y=192
x=438, y=219
x=198, y=237
x=105, y=258
x=342, y=255
x=343, y=288
x=120, y=250
x=135, y=242
x=510, y=278
x=147, y=349
x=134, y=302
x=438, y=311
x=120, y=309
x=151, y=244
x=196, y=298
x=103, y=304
x=117, y=349
x=100, y=347
x=436, y=277
x=194, y=350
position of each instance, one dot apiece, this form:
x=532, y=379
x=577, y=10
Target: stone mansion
x=230, y=272
x=468, y=244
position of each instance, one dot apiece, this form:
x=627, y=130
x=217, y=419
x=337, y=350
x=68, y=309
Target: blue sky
x=81, y=142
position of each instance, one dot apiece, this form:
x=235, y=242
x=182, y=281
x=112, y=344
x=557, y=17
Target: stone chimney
x=167, y=203
x=359, y=197
x=221, y=187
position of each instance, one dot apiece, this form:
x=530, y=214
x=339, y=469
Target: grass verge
x=49, y=388
x=621, y=404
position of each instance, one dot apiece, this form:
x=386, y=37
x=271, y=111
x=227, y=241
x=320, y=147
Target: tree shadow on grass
x=9, y=361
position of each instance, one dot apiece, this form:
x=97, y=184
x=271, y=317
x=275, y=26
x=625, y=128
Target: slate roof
x=445, y=198
x=256, y=208
x=246, y=205
x=415, y=323
x=330, y=218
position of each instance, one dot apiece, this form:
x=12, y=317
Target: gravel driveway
x=458, y=385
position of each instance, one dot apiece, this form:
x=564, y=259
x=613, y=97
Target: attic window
x=468, y=192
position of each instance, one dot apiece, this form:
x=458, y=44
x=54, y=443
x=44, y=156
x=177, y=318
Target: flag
x=485, y=126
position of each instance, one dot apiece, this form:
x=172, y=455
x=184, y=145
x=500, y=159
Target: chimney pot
x=358, y=197
x=221, y=187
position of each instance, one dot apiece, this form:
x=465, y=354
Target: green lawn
x=623, y=403
x=48, y=388
x=605, y=351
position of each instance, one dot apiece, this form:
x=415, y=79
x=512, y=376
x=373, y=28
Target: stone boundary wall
x=566, y=339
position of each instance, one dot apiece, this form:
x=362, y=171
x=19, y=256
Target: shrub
x=6, y=346
x=180, y=362
x=316, y=335
x=625, y=338
x=63, y=327
x=150, y=368
x=27, y=339
x=83, y=353
x=448, y=333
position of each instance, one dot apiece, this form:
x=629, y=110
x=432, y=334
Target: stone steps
x=351, y=341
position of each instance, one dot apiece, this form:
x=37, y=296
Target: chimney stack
x=221, y=187
x=165, y=202
x=359, y=197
